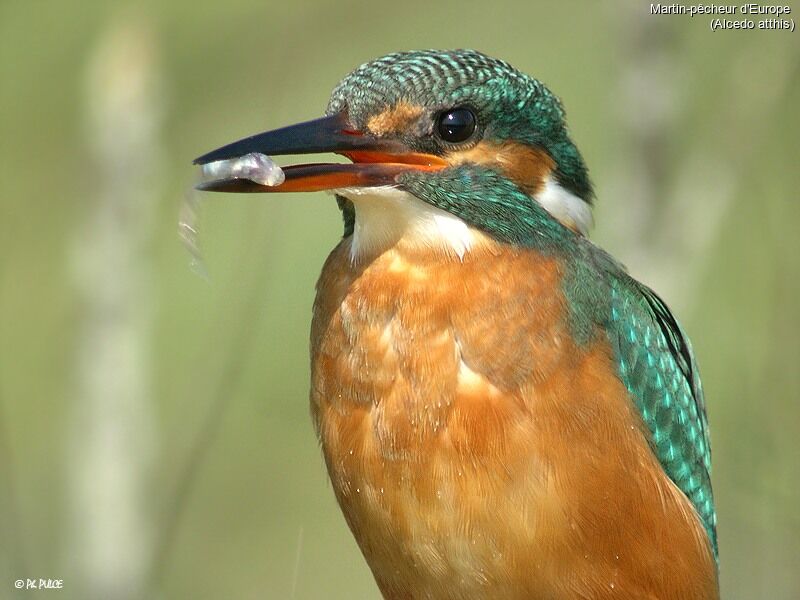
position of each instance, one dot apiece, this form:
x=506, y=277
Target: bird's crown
x=409, y=94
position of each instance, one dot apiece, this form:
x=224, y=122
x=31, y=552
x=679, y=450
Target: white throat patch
x=387, y=215
x=565, y=206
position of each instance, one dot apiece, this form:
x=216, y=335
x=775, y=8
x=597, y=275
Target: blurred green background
x=154, y=431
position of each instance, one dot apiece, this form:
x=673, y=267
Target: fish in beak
x=244, y=165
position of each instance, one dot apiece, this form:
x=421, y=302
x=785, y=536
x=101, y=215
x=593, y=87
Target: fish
x=258, y=168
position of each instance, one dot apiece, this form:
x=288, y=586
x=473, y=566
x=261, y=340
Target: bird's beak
x=376, y=161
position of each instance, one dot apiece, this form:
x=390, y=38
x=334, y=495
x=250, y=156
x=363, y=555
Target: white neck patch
x=386, y=215
x=565, y=206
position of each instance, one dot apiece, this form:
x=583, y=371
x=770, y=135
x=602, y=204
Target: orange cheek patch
x=394, y=120
x=526, y=166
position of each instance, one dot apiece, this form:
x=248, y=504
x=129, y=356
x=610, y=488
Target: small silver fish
x=258, y=168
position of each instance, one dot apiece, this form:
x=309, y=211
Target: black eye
x=456, y=125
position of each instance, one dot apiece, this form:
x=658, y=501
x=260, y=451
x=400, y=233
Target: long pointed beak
x=376, y=161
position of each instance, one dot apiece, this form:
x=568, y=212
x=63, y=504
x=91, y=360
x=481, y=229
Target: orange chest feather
x=475, y=450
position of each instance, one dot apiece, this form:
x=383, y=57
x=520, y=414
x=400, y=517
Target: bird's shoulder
x=655, y=361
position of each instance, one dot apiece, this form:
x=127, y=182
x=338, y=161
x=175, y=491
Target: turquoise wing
x=657, y=366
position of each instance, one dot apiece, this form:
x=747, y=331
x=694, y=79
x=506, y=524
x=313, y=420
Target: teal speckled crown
x=518, y=106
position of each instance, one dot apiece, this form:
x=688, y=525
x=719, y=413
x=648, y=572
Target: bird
x=503, y=410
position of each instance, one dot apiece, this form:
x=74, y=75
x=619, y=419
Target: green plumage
x=656, y=364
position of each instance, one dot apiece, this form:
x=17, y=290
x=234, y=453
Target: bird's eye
x=456, y=125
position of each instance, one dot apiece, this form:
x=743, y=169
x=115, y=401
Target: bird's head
x=440, y=140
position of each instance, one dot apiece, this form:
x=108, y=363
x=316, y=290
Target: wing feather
x=658, y=367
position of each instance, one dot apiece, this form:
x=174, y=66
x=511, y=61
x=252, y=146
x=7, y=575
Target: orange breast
x=476, y=450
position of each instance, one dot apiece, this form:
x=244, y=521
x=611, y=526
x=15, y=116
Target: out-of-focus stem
x=112, y=442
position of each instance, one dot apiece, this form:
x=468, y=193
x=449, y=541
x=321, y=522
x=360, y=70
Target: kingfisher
x=504, y=412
